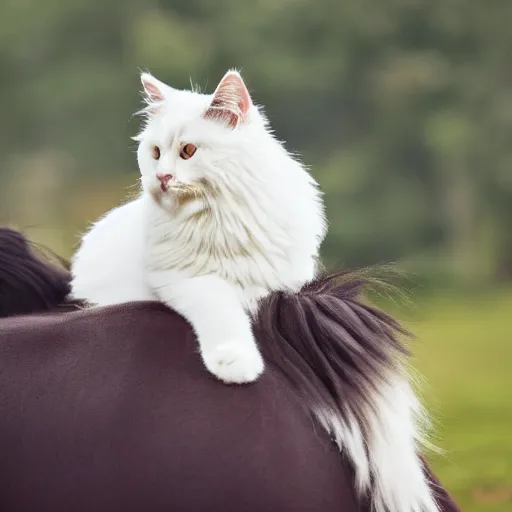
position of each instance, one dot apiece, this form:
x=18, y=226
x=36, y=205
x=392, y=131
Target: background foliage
x=402, y=108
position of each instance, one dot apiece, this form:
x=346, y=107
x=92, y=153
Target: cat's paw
x=234, y=362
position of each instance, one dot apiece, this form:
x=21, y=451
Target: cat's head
x=195, y=144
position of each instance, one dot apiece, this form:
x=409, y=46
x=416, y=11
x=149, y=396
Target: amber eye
x=187, y=151
x=155, y=152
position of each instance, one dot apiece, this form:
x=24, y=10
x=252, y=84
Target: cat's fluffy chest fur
x=225, y=216
x=255, y=255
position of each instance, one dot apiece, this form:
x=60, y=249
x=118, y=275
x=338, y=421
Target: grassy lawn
x=464, y=352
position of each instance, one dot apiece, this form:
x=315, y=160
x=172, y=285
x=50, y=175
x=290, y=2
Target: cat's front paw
x=234, y=362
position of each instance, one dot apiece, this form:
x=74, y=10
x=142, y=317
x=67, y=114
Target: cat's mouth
x=177, y=194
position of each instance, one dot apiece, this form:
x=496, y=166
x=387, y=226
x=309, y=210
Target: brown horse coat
x=111, y=410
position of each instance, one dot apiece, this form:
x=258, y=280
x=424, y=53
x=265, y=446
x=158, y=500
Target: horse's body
x=111, y=410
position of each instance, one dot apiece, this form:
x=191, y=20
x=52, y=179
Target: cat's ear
x=231, y=101
x=155, y=90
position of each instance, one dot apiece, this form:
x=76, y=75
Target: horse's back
x=111, y=409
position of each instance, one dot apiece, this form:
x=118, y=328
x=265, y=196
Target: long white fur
x=257, y=230
x=255, y=226
x=388, y=453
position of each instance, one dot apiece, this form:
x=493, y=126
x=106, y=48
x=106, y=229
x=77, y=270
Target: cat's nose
x=164, y=180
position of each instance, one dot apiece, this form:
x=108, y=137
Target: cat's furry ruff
x=247, y=220
x=239, y=219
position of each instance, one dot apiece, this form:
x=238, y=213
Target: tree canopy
x=403, y=108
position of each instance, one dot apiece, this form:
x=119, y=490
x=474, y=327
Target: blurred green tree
x=403, y=108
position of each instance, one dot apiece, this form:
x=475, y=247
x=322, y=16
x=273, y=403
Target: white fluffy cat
x=226, y=215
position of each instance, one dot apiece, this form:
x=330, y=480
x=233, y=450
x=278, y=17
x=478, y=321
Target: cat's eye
x=187, y=151
x=155, y=152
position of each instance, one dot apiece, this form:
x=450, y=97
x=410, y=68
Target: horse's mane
x=345, y=358
x=32, y=278
x=333, y=345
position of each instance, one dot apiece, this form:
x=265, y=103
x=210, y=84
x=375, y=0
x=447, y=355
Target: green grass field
x=464, y=352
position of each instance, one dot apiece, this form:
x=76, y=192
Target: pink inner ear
x=232, y=83
x=151, y=89
x=231, y=100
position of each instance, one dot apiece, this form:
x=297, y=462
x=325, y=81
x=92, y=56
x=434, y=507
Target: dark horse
x=110, y=409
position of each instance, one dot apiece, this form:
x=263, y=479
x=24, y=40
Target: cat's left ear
x=231, y=101
x=156, y=91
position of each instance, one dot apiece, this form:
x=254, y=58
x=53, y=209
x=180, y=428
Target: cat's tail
x=347, y=360
x=30, y=282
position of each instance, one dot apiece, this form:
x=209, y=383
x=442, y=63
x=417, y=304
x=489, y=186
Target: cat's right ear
x=156, y=91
